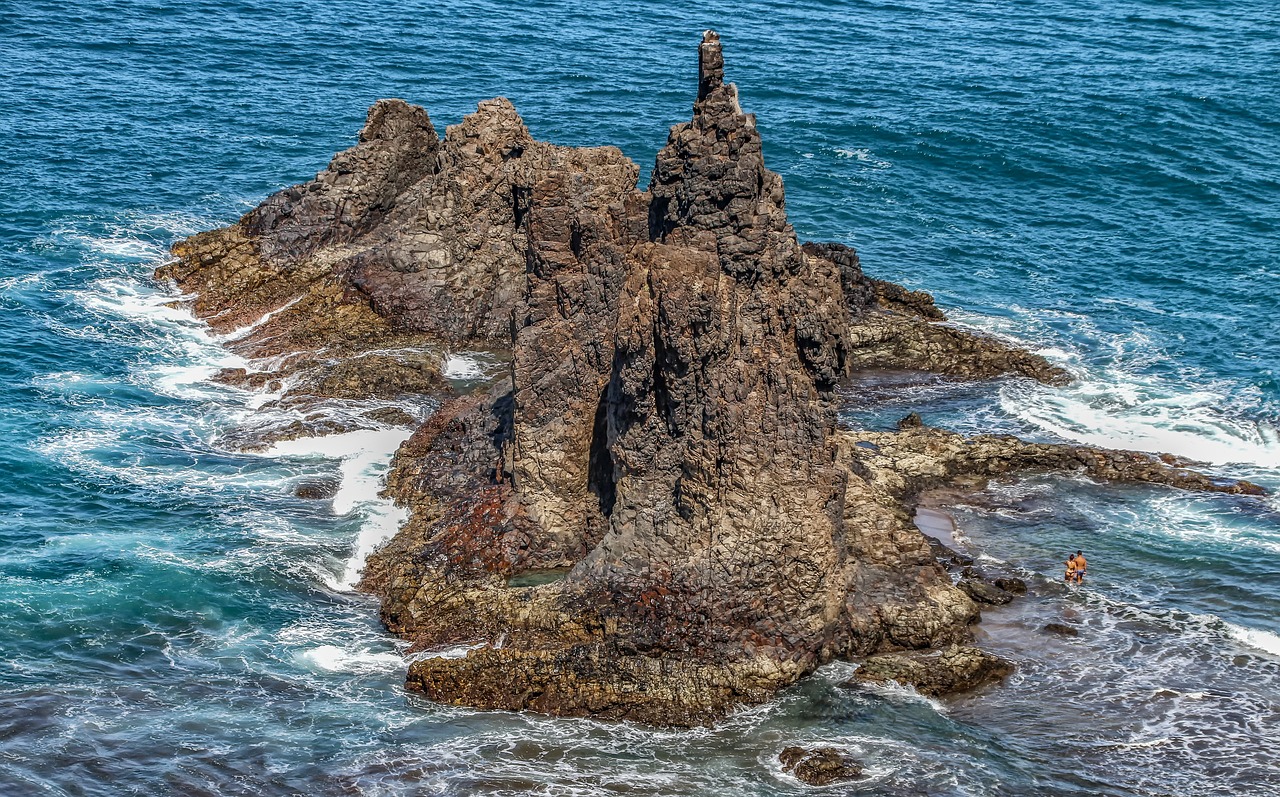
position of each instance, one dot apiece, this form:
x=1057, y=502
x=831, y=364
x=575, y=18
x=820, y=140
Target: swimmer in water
x=1070, y=578
x=1081, y=565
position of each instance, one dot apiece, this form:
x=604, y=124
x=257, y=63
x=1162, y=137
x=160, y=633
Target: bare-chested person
x=1081, y=565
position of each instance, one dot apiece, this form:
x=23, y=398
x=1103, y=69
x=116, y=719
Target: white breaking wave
x=332, y=658
x=1255, y=638
x=1194, y=519
x=461, y=366
x=1123, y=411
x=188, y=353
x=364, y=457
x=1119, y=405
x=193, y=354
x=243, y=331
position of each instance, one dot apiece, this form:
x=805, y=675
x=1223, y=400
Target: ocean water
x=1096, y=180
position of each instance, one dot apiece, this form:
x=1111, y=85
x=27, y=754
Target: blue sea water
x=1096, y=180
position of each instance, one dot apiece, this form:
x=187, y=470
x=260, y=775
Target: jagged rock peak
x=711, y=189
x=714, y=95
x=710, y=64
x=391, y=119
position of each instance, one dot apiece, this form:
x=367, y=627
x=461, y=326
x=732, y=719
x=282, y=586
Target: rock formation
x=654, y=515
x=957, y=668
x=821, y=766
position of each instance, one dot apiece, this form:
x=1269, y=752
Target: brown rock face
x=654, y=516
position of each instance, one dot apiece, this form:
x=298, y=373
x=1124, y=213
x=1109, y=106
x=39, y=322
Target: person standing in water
x=1070, y=578
x=1081, y=565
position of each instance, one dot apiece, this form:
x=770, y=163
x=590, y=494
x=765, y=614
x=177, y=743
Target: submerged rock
x=1061, y=629
x=958, y=668
x=819, y=766
x=665, y=441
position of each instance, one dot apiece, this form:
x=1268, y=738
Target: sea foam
x=364, y=456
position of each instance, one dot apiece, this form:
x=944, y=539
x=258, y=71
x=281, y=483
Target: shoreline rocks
x=935, y=673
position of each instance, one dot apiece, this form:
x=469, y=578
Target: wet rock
x=376, y=376
x=316, y=490
x=983, y=592
x=911, y=461
x=1001, y=581
x=948, y=556
x=1010, y=584
x=819, y=766
x=392, y=416
x=935, y=673
x=902, y=332
x=1061, y=629
x=911, y=421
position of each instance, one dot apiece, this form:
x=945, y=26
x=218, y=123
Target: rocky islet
x=665, y=441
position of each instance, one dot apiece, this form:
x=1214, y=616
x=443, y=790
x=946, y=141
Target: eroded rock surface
x=957, y=668
x=819, y=766
x=654, y=515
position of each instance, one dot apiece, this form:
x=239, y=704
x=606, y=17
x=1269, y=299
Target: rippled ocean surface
x=1097, y=180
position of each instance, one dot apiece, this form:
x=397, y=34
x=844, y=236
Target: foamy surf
x=1121, y=412
x=461, y=366
x=332, y=658
x=1255, y=638
x=364, y=456
x=248, y=329
x=194, y=354
x=1118, y=405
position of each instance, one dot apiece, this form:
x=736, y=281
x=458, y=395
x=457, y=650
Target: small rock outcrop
x=654, y=515
x=1061, y=629
x=819, y=766
x=983, y=592
x=935, y=673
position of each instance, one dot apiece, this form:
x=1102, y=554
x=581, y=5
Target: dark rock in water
x=911, y=421
x=317, y=490
x=902, y=333
x=1061, y=629
x=949, y=557
x=819, y=766
x=663, y=455
x=379, y=376
x=1010, y=584
x=1002, y=581
x=983, y=592
x=935, y=673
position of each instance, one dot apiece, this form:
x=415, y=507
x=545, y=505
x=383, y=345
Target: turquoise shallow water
x=1096, y=180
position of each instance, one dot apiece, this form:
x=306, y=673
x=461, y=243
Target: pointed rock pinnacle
x=710, y=64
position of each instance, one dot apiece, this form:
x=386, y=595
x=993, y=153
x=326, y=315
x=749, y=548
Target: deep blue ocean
x=1098, y=180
